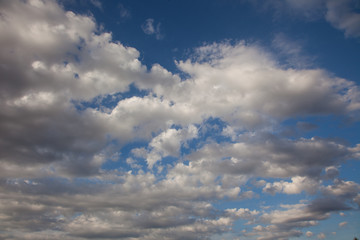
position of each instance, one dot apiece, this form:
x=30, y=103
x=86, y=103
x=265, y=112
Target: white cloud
x=309, y=234
x=63, y=61
x=168, y=143
x=243, y=213
x=67, y=51
x=254, y=89
x=296, y=186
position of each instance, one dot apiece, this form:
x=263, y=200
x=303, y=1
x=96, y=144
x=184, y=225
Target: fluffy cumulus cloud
x=297, y=185
x=73, y=102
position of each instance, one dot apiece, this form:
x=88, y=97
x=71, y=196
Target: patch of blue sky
x=338, y=128
x=109, y=101
x=350, y=170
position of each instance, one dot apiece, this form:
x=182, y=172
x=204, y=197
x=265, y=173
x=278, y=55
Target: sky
x=165, y=119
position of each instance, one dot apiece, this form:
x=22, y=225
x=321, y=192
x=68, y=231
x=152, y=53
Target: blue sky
x=179, y=119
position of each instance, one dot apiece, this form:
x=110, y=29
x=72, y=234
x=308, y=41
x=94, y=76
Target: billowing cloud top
x=96, y=145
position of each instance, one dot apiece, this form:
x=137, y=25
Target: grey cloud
x=48, y=135
x=135, y=202
x=272, y=157
x=342, y=189
x=326, y=205
x=272, y=232
x=49, y=61
x=343, y=15
x=283, y=223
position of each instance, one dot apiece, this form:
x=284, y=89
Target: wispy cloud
x=342, y=16
x=291, y=51
x=97, y=4
x=124, y=12
x=150, y=29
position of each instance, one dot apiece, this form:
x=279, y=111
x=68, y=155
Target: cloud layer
x=74, y=101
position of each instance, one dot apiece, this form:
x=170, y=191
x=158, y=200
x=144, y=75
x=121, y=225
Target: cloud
x=149, y=28
x=343, y=189
x=291, y=50
x=290, y=217
x=342, y=15
x=294, y=215
x=57, y=54
x=297, y=185
x=97, y=4
x=272, y=232
x=321, y=236
x=135, y=206
x=331, y=172
x=326, y=205
x=168, y=144
x=342, y=224
x=271, y=157
x=286, y=92
x=124, y=12
x=73, y=100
